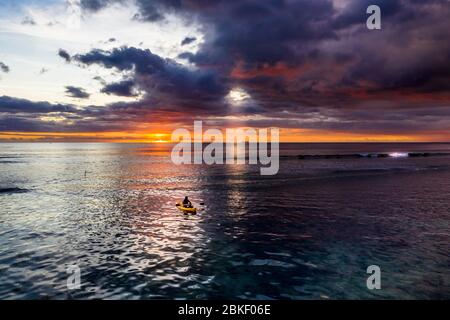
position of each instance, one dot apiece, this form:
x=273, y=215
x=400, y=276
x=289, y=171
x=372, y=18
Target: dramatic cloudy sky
x=133, y=70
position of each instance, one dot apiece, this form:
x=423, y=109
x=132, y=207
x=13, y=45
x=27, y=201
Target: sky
x=134, y=70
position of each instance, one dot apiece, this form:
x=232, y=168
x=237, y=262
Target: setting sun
x=158, y=137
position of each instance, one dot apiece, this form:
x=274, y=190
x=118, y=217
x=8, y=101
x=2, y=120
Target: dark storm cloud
x=158, y=76
x=64, y=54
x=15, y=105
x=4, y=68
x=23, y=124
x=25, y=115
x=188, y=40
x=124, y=88
x=76, y=92
x=96, y=5
x=124, y=59
x=254, y=33
x=187, y=56
x=408, y=63
x=148, y=13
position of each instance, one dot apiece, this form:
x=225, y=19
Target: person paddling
x=187, y=203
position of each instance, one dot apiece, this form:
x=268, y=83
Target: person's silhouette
x=187, y=203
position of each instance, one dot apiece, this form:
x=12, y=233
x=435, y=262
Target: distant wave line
x=364, y=155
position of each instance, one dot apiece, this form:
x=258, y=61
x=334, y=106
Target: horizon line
x=175, y=142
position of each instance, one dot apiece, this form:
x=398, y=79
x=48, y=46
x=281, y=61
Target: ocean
x=309, y=232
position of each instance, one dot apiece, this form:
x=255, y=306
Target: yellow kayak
x=186, y=210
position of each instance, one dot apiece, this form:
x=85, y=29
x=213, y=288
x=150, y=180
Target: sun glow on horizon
x=158, y=138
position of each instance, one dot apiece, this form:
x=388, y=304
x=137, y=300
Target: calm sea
x=310, y=232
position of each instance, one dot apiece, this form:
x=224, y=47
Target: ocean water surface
x=309, y=232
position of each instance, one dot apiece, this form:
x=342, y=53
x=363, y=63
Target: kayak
x=186, y=210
